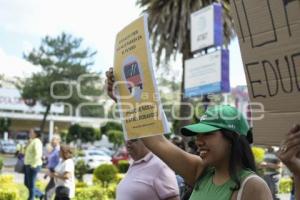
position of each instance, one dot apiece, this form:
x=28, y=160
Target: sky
x=24, y=23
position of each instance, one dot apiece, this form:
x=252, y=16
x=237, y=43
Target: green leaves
x=85, y=134
x=63, y=61
x=169, y=22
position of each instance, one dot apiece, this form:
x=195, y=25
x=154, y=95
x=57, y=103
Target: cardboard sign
x=207, y=74
x=138, y=97
x=269, y=37
x=207, y=27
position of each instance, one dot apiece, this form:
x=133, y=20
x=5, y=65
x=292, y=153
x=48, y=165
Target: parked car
x=103, y=149
x=94, y=158
x=8, y=146
x=121, y=154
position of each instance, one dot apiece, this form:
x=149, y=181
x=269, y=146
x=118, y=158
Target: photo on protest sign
x=137, y=94
x=269, y=38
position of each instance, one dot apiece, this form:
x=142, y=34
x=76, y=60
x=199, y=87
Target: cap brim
x=196, y=129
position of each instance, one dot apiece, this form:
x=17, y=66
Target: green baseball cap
x=216, y=118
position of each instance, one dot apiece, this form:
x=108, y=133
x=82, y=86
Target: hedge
x=123, y=166
x=105, y=173
x=285, y=185
x=10, y=190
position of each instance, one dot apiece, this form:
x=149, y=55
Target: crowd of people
x=60, y=168
x=225, y=166
x=219, y=165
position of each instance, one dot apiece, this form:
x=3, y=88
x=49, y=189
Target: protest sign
x=138, y=97
x=269, y=37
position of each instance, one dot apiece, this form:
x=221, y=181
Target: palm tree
x=169, y=22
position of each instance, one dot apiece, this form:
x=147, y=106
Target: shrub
x=41, y=185
x=259, y=154
x=105, y=173
x=10, y=190
x=1, y=164
x=285, y=185
x=123, y=166
x=119, y=177
x=111, y=191
x=8, y=194
x=93, y=192
x=6, y=180
x=81, y=184
x=80, y=169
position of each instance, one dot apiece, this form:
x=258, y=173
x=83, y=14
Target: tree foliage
x=80, y=170
x=62, y=59
x=116, y=137
x=85, y=134
x=169, y=22
x=111, y=125
x=5, y=123
x=106, y=173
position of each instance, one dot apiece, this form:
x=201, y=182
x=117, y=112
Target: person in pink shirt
x=147, y=178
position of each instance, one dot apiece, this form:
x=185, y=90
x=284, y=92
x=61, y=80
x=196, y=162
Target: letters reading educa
x=272, y=73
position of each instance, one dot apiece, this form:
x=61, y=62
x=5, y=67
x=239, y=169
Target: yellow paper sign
x=137, y=94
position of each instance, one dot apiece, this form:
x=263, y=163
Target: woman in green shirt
x=225, y=159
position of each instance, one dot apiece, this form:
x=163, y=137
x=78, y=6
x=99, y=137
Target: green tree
x=74, y=133
x=80, y=170
x=61, y=58
x=169, y=22
x=110, y=125
x=105, y=173
x=85, y=134
x=116, y=137
x=4, y=125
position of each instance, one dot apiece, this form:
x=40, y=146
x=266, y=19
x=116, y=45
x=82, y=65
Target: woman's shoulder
x=256, y=185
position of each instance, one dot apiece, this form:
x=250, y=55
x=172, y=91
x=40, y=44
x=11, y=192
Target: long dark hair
x=241, y=156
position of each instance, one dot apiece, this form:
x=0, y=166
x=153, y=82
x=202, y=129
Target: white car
x=8, y=146
x=103, y=149
x=94, y=158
